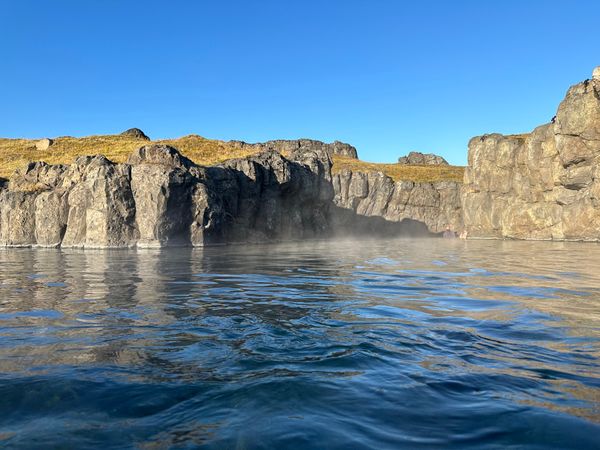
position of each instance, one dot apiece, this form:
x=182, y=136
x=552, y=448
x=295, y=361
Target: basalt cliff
x=542, y=185
x=160, y=198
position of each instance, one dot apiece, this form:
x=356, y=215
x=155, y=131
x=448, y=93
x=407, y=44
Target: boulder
x=135, y=133
x=43, y=144
x=418, y=158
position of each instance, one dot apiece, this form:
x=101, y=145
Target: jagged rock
x=307, y=145
x=419, y=158
x=161, y=198
x=544, y=185
x=135, y=133
x=596, y=73
x=159, y=154
x=100, y=203
x=376, y=195
x=43, y=144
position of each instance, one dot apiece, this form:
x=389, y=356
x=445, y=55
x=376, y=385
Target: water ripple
x=391, y=344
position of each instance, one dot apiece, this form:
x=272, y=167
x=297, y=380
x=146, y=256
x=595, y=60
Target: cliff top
x=402, y=172
x=16, y=153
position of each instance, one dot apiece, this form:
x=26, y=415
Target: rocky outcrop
x=135, y=133
x=543, y=185
x=419, y=158
x=160, y=198
x=364, y=194
x=289, y=146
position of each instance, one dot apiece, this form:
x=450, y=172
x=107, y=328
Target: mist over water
x=420, y=343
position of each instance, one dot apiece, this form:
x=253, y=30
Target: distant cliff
x=543, y=185
x=288, y=146
x=434, y=205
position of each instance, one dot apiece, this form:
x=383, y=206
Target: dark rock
x=135, y=133
x=160, y=198
x=418, y=158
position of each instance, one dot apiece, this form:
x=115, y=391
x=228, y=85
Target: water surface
x=375, y=344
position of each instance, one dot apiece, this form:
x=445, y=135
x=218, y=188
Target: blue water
x=374, y=344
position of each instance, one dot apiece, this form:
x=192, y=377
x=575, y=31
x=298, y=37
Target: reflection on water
x=376, y=344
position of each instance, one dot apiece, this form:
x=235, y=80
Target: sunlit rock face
x=295, y=145
x=160, y=198
x=435, y=205
x=427, y=159
x=543, y=185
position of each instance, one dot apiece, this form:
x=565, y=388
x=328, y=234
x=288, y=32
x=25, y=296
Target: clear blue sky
x=386, y=76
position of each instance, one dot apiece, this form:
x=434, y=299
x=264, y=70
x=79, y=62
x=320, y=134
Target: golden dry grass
x=519, y=136
x=15, y=153
x=402, y=172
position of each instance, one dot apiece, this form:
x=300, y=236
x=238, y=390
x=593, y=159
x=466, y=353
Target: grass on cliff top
x=402, y=172
x=16, y=153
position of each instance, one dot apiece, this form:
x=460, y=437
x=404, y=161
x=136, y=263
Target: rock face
x=422, y=159
x=335, y=148
x=135, y=133
x=434, y=205
x=543, y=185
x=160, y=198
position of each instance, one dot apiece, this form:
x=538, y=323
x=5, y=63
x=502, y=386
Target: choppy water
x=382, y=344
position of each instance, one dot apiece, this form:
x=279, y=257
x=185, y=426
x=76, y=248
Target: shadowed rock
x=135, y=133
x=161, y=198
x=434, y=205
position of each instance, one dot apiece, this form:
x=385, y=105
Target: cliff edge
x=542, y=185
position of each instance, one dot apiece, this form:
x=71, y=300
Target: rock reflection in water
x=397, y=343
